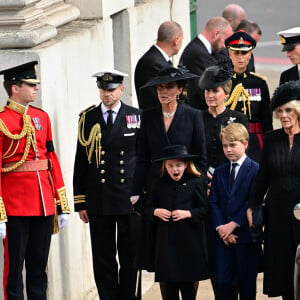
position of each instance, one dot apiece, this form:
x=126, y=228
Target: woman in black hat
x=216, y=81
x=172, y=123
x=279, y=179
x=177, y=206
x=250, y=92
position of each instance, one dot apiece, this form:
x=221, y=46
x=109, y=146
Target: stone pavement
x=151, y=290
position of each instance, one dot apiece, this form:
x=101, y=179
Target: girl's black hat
x=174, y=152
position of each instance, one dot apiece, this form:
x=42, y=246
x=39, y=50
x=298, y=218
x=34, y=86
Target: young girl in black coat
x=178, y=205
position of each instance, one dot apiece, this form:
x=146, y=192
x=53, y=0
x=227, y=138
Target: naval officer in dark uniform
x=103, y=171
x=290, y=40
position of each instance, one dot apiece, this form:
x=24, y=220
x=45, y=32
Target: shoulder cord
x=239, y=91
x=93, y=142
x=27, y=130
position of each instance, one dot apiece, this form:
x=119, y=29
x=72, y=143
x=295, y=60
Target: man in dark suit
x=202, y=52
x=236, y=254
x=169, y=41
x=290, y=39
x=103, y=171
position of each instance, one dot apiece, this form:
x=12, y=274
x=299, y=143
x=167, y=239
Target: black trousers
x=28, y=238
x=110, y=234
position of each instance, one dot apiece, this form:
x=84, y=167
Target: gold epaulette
x=63, y=200
x=87, y=109
x=259, y=76
x=2, y=109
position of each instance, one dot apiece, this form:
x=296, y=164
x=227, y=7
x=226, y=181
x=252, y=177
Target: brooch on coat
x=133, y=121
x=231, y=120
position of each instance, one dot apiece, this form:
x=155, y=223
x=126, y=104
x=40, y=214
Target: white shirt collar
x=240, y=161
x=116, y=109
x=206, y=43
x=299, y=70
x=163, y=53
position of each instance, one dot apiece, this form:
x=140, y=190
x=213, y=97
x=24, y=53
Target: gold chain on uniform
x=28, y=131
x=93, y=142
x=239, y=91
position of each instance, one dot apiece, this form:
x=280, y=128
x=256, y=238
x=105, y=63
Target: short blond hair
x=235, y=132
x=295, y=104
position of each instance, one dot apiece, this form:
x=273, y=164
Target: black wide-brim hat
x=174, y=152
x=215, y=76
x=285, y=93
x=170, y=74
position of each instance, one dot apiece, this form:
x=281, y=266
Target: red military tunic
x=33, y=192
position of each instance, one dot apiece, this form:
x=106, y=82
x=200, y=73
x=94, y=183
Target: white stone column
x=27, y=23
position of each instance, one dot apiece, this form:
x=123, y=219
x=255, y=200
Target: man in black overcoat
x=204, y=51
x=103, y=171
x=169, y=41
x=290, y=39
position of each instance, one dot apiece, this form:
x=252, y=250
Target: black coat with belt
x=180, y=246
x=187, y=129
x=105, y=189
x=291, y=74
x=148, y=67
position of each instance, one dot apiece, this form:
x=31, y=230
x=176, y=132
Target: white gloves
x=62, y=220
x=134, y=199
x=2, y=230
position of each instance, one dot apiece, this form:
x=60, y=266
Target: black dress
x=214, y=149
x=260, y=114
x=180, y=254
x=279, y=177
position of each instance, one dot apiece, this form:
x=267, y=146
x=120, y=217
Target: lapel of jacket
x=176, y=120
x=225, y=178
x=295, y=73
x=242, y=174
x=117, y=127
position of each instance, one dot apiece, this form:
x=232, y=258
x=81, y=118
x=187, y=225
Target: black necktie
x=170, y=62
x=110, y=119
x=232, y=173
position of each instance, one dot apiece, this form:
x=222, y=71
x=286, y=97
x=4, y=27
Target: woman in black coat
x=172, y=123
x=278, y=182
x=177, y=206
x=216, y=81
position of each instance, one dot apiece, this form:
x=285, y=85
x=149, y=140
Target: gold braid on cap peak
x=3, y=217
x=28, y=131
x=94, y=140
x=239, y=91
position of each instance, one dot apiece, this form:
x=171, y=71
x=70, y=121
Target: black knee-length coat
x=279, y=177
x=180, y=253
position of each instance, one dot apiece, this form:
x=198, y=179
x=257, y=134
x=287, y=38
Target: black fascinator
x=217, y=75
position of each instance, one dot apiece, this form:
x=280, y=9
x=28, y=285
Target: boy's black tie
x=232, y=173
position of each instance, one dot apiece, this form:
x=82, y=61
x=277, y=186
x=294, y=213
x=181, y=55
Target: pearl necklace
x=168, y=115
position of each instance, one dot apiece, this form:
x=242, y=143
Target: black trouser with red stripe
x=27, y=239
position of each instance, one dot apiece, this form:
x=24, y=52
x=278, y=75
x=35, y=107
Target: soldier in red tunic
x=32, y=189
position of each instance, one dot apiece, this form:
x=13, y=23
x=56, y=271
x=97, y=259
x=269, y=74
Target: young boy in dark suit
x=236, y=254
